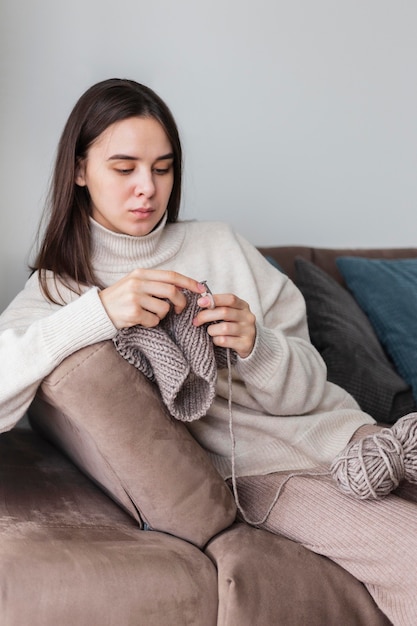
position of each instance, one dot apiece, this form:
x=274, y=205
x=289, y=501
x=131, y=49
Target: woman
x=114, y=256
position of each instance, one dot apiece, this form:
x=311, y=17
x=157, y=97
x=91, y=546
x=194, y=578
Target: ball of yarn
x=374, y=466
x=405, y=430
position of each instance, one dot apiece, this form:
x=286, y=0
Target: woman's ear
x=80, y=173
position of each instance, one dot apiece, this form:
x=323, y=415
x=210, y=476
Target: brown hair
x=65, y=246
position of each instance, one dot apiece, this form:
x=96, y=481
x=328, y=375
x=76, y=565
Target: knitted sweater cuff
x=76, y=325
x=264, y=360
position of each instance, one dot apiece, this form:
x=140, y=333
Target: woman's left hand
x=231, y=322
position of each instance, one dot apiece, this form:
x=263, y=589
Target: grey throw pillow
x=344, y=336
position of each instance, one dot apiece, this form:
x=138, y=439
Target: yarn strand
x=244, y=515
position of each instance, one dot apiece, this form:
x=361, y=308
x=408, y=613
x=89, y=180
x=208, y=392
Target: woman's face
x=128, y=172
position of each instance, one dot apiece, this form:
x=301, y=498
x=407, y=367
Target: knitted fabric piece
x=179, y=357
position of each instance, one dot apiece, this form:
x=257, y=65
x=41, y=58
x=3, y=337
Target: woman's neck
x=119, y=252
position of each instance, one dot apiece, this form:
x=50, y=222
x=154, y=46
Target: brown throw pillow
x=110, y=420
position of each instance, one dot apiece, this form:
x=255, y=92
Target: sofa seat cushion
x=267, y=579
x=69, y=555
x=110, y=420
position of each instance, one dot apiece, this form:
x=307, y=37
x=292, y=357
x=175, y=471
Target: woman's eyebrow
x=128, y=157
x=165, y=157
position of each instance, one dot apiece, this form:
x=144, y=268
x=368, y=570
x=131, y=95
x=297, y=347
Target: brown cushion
x=325, y=258
x=110, y=420
x=70, y=557
x=268, y=579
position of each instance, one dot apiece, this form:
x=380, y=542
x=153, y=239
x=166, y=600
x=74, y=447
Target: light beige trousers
x=376, y=541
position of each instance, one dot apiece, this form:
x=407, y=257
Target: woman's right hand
x=145, y=297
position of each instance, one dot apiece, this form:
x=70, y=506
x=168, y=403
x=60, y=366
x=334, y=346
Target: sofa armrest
x=109, y=419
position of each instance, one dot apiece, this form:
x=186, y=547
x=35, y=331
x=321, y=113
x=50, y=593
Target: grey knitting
x=179, y=357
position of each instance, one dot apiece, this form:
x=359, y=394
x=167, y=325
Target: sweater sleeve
x=285, y=374
x=35, y=336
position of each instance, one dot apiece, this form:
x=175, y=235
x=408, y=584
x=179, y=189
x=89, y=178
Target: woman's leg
x=376, y=541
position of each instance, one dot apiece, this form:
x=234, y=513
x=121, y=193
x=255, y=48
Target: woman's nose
x=145, y=185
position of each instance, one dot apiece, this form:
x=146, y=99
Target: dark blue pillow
x=273, y=262
x=386, y=290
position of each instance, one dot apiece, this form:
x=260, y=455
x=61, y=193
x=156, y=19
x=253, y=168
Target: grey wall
x=298, y=117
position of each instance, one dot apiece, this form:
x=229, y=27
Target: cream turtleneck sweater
x=286, y=415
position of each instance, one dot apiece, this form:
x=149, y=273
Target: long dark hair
x=65, y=246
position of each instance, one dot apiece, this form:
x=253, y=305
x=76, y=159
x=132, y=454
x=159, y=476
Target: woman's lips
x=142, y=212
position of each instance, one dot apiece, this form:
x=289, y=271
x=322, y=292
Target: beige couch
x=73, y=549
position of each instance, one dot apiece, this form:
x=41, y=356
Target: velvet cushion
x=267, y=579
x=70, y=557
x=387, y=292
x=110, y=420
x=344, y=336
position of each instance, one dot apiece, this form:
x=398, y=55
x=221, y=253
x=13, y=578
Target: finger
x=229, y=300
x=156, y=306
x=225, y=329
x=154, y=293
x=218, y=314
x=232, y=336
x=226, y=302
x=169, y=277
x=154, y=289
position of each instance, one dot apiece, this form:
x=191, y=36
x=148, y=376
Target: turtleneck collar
x=118, y=252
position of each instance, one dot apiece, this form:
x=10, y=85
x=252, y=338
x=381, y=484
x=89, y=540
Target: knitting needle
x=207, y=293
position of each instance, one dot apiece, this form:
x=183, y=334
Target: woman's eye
x=124, y=171
x=160, y=171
